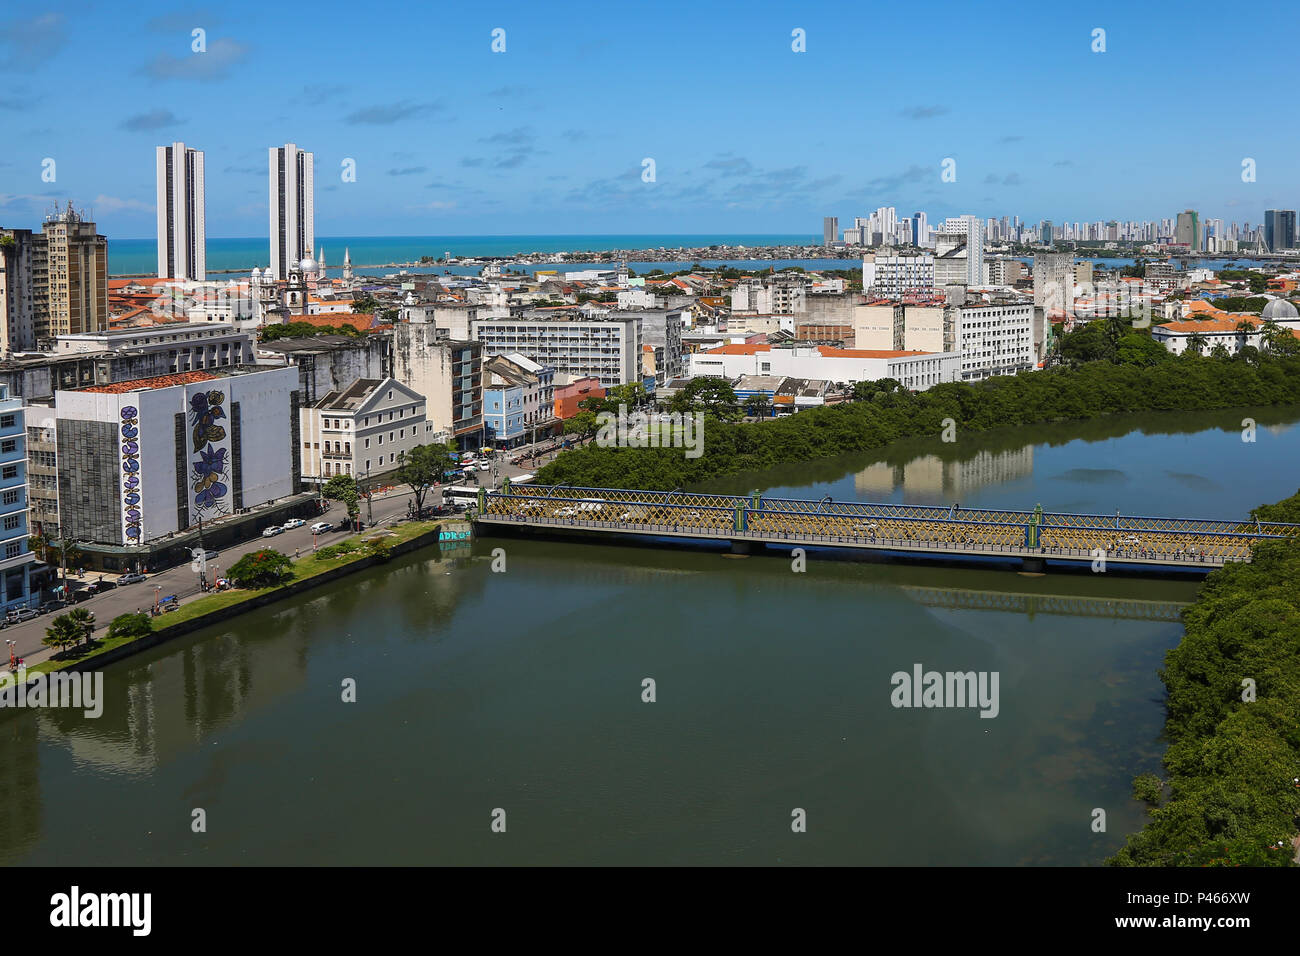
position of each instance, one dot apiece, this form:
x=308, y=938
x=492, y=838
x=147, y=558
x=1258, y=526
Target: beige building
x=362, y=430
x=898, y=327
x=71, y=266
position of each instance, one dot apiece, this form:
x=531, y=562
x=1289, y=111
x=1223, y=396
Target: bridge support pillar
x=1036, y=565
x=747, y=547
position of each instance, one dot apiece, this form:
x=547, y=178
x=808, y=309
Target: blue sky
x=450, y=138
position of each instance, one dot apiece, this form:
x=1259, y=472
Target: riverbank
x=1231, y=795
x=312, y=571
x=1094, y=390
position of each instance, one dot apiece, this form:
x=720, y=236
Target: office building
x=1188, y=230
x=293, y=208
x=897, y=276
x=69, y=265
x=181, y=230
x=606, y=349
x=18, y=291
x=1279, y=229
x=830, y=229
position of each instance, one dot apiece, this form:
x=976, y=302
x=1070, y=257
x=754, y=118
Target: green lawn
x=308, y=566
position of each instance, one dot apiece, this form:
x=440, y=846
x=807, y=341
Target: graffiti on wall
x=210, y=479
x=131, y=510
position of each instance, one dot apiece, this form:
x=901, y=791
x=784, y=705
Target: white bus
x=462, y=495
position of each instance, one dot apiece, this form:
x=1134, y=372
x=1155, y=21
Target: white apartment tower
x=182, y=234
x=293, y=208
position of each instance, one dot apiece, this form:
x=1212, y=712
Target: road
x=181, y=581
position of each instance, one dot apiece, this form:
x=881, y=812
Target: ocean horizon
x=140, y=256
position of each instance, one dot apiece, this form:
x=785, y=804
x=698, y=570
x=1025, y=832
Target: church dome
x=1280, y=309
x=308, y=265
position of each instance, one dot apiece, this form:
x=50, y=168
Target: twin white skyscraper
x=182, y=232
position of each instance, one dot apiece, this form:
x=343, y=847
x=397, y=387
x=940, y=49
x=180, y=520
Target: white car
x=484, y=466
x=133, y=577
x=568, y=512
x=272, y=531
x=320, y=527
x=293, y=523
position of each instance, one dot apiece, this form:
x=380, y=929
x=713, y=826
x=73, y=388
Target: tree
x=261, y=569
x=130, y=626
x=583, y=424
x=1196, y=343
x=364, y=303
x=68, y=630
x=344, y=488
x=421, y=468
x=710, y=394
x=631, y=394
x=83, y=620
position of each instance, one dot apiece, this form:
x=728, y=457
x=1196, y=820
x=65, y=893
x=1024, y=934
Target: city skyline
x=514, y=142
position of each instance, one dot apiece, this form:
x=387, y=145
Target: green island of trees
x=1231, y=796
x=1111, y=371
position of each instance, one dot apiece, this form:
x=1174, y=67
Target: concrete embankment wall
x=218, y=615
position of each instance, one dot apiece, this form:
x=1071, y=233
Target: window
x=381, y=439
x=13, y=549
x=7, y=421
x=9, y=471
x=12, y=522
x=11, y=496
x=367, y=442
x=8, y=445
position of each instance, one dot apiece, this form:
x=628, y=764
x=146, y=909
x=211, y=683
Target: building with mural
x=146, y=464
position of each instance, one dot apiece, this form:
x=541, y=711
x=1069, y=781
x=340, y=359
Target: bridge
x=748, y=523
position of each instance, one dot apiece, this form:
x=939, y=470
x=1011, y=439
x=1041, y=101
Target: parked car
x=293, y=523
x=133, y=577
x=19, y=614
x=210, y=555
x=50, y=606
x=320, y=527
x=484, y=466
x=272, y=531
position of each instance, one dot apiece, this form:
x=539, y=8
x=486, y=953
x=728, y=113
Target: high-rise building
x=15, y=559
x=830, y=229
x=1279, y=229
x=920, y=229
x=1188, y=230
x=18, y=291
x=974, y=250
x=1054, y=283
x=182, y=234
x=70, y=276
x=293, y=207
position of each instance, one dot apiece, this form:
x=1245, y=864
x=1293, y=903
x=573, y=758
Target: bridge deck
x=920, y=529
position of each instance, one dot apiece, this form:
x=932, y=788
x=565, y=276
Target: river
x=521, y=691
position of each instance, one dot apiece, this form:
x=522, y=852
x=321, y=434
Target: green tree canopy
x=261, y=569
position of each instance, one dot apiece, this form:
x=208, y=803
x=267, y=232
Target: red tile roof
x=157, y=381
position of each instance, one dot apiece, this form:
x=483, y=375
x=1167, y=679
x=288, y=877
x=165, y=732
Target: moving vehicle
x=460, y=495
x=272, y=531
x=320, y=527
x=133, y=577
x=484, y=466
x=293, y=523
x=210, y=555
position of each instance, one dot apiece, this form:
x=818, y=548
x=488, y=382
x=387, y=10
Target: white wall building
x=182, y=231
x=191, y=345
x=362, y=430
x=141, y=460
x=915, y=370
x=993, y=339
x=896, y=276
x=608, y=349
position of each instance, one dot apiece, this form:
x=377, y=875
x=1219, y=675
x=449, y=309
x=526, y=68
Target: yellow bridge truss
x=883, y=525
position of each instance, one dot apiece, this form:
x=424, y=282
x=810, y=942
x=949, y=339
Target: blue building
x=503, y=414
x=16, y=559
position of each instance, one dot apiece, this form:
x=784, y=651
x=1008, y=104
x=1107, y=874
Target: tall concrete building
x=293, y=207
x=182, y=235
x=18, y=292
x=830, y=229
x=1054, y=277
x=1279, y=229
x=974, y=250
x=1188, y=230
x=70, y=277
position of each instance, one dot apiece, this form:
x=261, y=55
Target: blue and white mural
x=209, y=461
x=130, y=432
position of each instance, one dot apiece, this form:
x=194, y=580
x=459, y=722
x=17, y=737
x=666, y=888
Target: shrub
x=130, y=626
x=262, y=569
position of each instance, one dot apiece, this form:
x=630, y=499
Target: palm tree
x=1196, y=342
x=1270, y=334
x=83, y=621
x=63, y=632
x=1245, y=329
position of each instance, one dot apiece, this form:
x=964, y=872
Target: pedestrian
x=297, y=552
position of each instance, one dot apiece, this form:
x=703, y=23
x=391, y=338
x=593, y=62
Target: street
x=184, y=583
